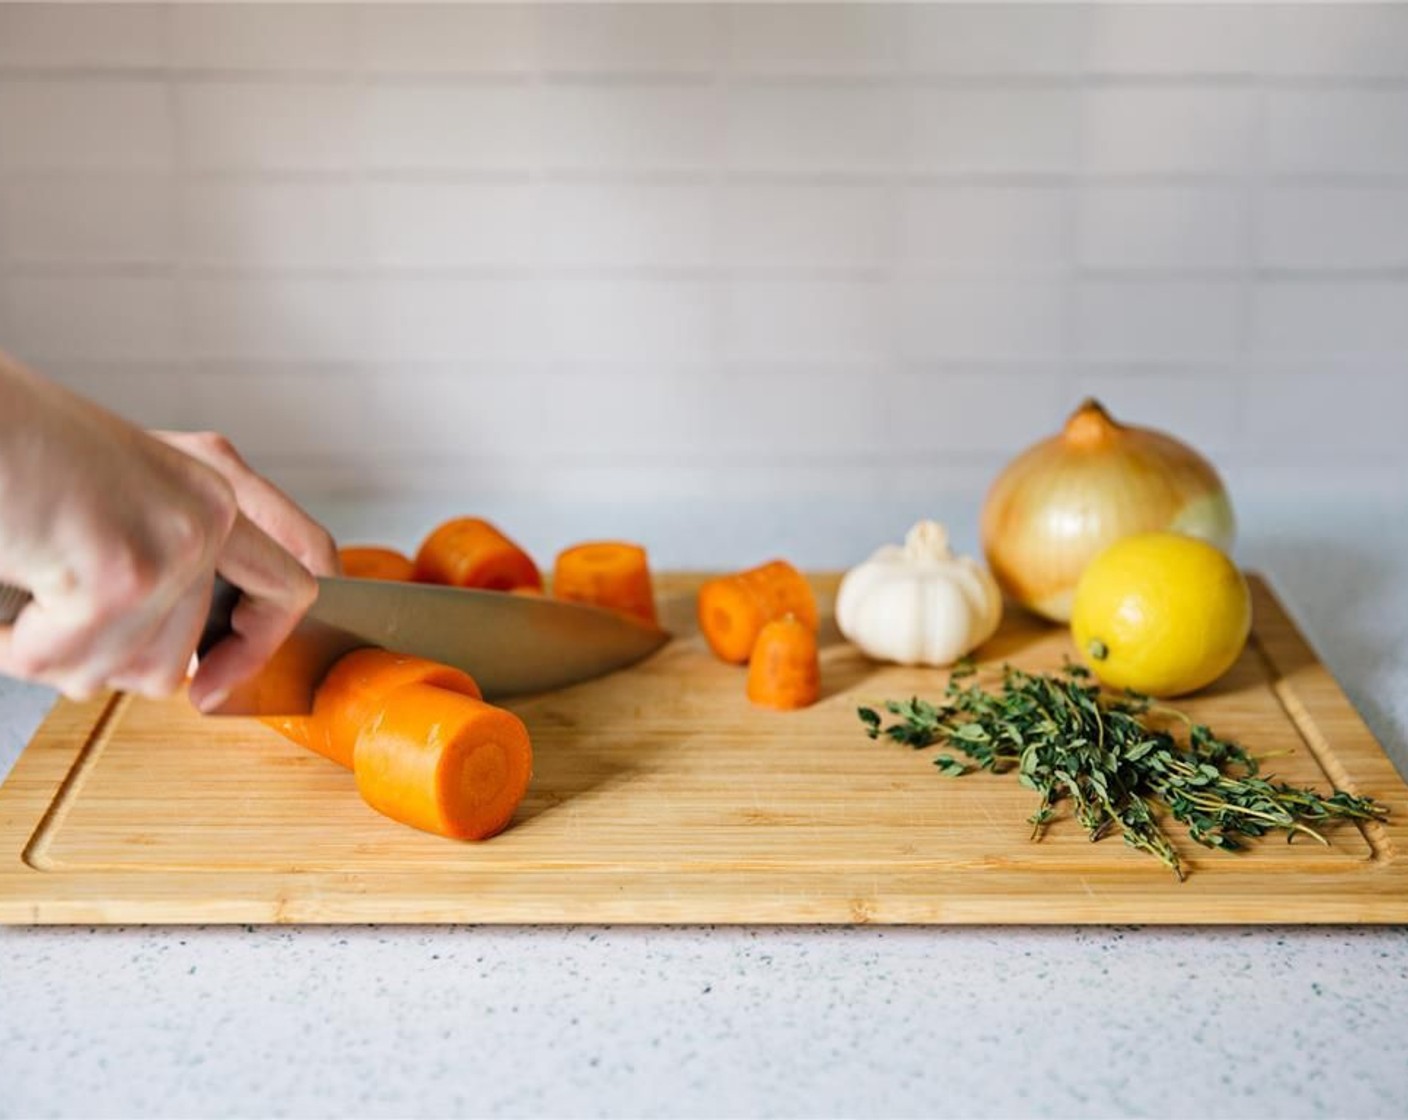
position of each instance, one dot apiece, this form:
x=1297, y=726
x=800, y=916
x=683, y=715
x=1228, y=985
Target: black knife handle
x=224, y=597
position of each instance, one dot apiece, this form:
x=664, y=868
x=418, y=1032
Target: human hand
x=261, y=501
x=117, y=535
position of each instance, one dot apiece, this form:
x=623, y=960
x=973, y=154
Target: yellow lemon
x=1161, y=613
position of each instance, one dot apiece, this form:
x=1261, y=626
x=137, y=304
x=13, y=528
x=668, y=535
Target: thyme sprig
x=1068, y=740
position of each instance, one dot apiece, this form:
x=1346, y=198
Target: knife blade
x=510, y=644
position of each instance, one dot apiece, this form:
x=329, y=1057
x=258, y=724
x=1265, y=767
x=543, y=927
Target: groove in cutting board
x=661, y=795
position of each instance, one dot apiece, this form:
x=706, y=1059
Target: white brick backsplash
x=813, y=127
x=91, y=125
x=986, y=39
x=262, y=36
x=1153, y=321
x=368, y=239
x=1333, y=227
x=107, y=36
x=979, y=229
x=584, y=224
x=119, y=218
x=815, y=38
x=1175, y=38
x=627, y=320
x=993, y=131
x=440, y=38
x=774, y=414
x=628, y=127
x=147, y=395
x=805, y=224
x=455, y=320
x=787, y=320
x=271, y=224
x=1293, y=319
x=1337, y=132
x=283, y=411
x=274, y=126
x=440, y=415
x=104, y=318
x=430, y=225
x=1162, y=130
x=1200, y=407
x=1308, y=417
x=1140, y=226
x=1355, y=39
x=449, y=128
x=957, y=412
x=275, y=318
x=628, y=38
x=982, y=319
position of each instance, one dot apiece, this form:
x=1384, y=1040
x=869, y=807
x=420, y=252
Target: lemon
x=1161, y=613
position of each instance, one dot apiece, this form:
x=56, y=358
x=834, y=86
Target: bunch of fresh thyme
x=1066, y=739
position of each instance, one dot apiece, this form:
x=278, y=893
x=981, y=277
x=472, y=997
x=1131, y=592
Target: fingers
x=164, y=659
x=277, y=590
x=262, y=502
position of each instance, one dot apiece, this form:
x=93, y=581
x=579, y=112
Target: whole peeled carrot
x=469, y=552
x=784, y=671
x=733, y=609
x=356, y=685
x=443, y=762
x=375, y=562
x=610, y=574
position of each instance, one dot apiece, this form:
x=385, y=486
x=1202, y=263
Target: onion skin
x=1061, y=502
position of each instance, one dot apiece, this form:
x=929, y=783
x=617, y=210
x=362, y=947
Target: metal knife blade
x=510, y=644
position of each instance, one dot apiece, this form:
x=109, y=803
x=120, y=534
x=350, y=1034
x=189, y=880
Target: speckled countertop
x=381, y=1021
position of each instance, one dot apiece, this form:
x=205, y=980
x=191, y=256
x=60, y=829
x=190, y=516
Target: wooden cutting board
x=661, y=796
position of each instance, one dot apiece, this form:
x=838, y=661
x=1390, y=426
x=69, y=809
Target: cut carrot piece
x=443, y=762
x=610, y=574
x=784, y=671
x=528, y=592
x=356, y=685
x=374, y=562
x=469, y=552
x=734, y=609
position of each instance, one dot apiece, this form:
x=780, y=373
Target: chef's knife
x=510, y=644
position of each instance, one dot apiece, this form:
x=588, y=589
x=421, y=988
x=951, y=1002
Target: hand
x=261, y=501
x=117, y=536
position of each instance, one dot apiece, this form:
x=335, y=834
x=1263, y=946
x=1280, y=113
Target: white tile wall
x=731, y=250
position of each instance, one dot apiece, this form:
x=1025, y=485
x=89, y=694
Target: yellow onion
x=1061, y=502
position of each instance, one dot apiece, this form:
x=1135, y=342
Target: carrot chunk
x=374, y=562
x=734, y=609
x=443, y=762
x=356, y=685
x=610, y=574
x=469, y=552
x=784, y=671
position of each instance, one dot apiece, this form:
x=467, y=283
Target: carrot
x=528, y=592
x=442, y=761
x=469, y=552
x=373, y=562
x=734, y=609
x=357, y=684
x=610, y=574
x=784, y=671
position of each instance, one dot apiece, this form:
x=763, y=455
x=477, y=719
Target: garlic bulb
x=1063, y=501
x=918, y=604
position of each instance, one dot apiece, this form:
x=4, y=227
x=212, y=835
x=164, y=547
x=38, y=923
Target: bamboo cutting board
x=661, y=796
